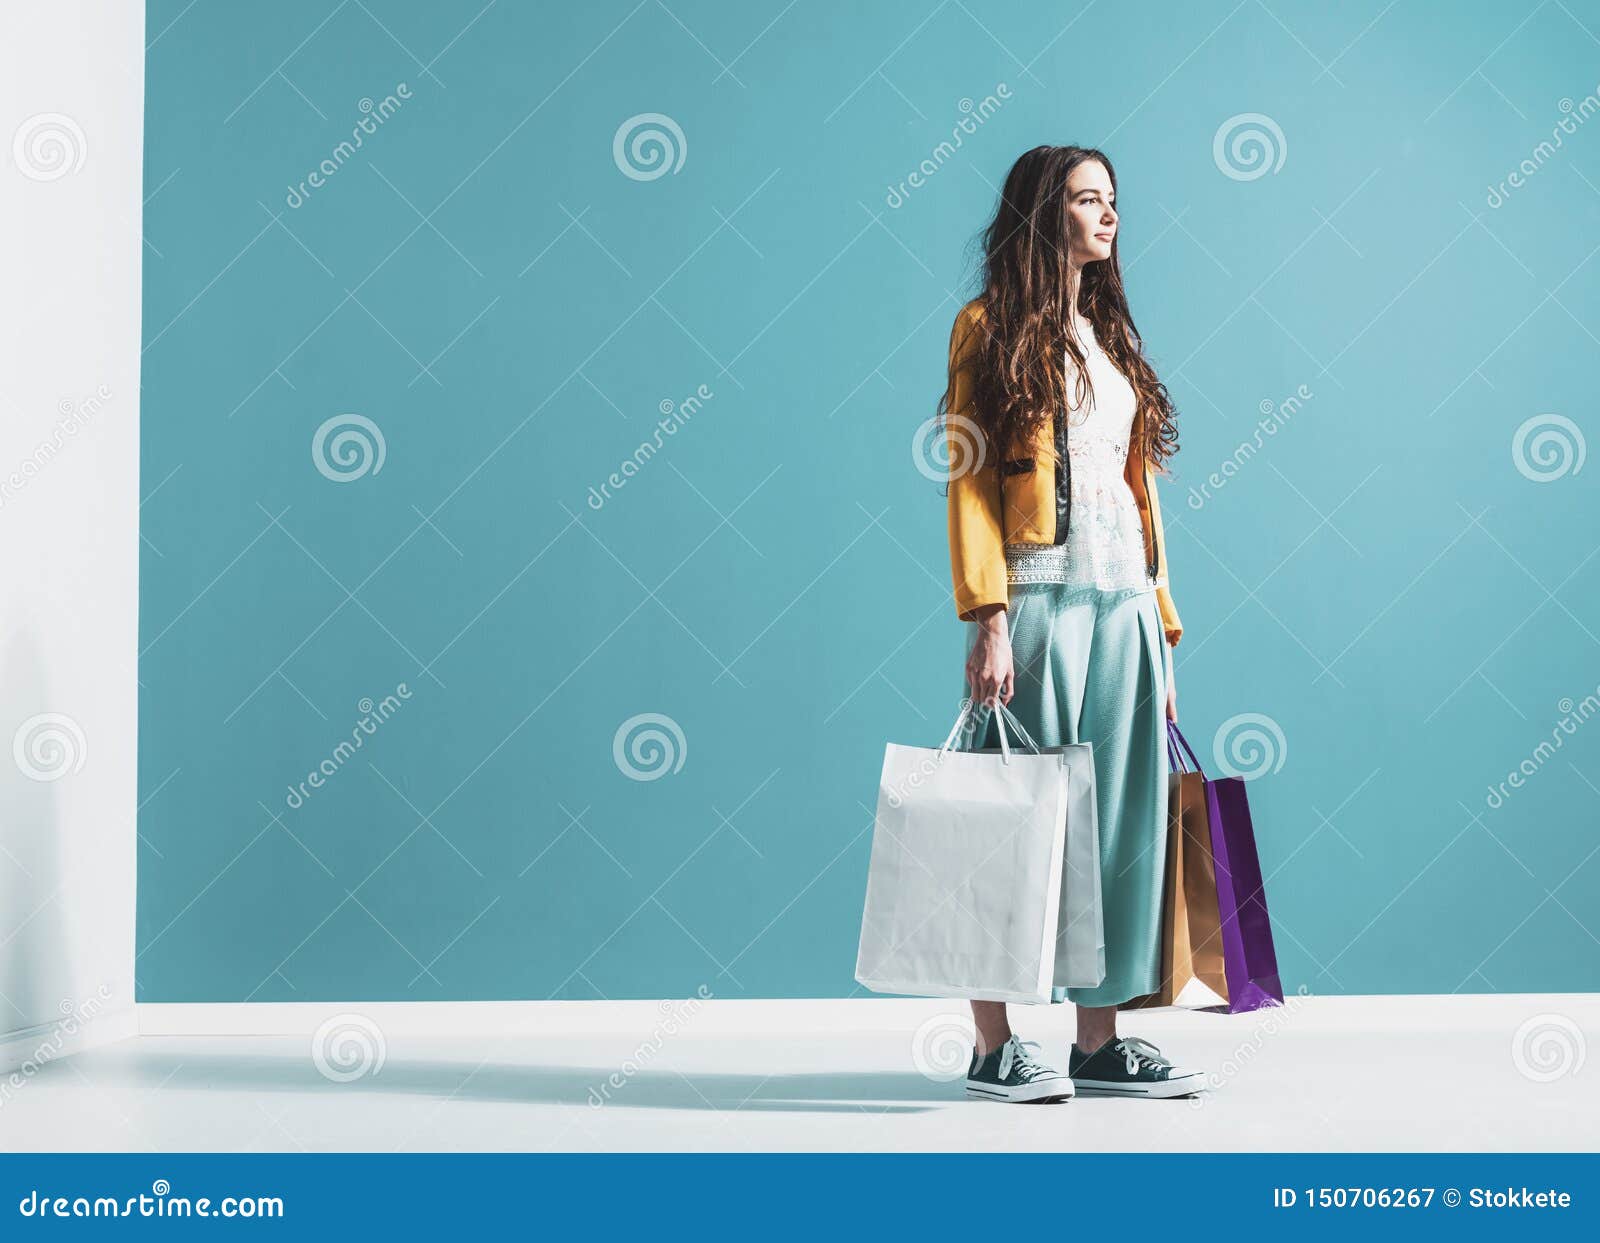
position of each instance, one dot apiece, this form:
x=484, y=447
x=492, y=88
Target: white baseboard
x=24, y=1051
x=1450, y=1012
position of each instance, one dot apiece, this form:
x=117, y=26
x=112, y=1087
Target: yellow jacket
x=996, y=500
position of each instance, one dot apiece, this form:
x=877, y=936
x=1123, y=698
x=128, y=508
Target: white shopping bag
x=1080, y=923
x=1081, y=935
x=964, y=886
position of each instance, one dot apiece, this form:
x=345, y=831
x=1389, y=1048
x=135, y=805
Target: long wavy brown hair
x=1019, y=371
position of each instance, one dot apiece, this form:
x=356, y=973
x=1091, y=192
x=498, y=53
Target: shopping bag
x=1193, y=975
x=1080, y=921
x=1081, y=925
x=1249, y=958
x=964, y=883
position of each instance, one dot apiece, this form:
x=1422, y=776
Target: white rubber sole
x=1185, y=1085
x=1044, y=1092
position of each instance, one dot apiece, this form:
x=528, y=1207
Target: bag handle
x=967, y=709
x=1022, y=734
x=961, y=717
x=1003, y=715
x=1175, y=739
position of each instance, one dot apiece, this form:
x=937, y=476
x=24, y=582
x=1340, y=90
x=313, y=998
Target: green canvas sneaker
x=1128, y=1066
x=1011, y=1073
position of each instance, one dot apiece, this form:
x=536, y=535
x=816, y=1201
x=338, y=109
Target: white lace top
x=1104, y=549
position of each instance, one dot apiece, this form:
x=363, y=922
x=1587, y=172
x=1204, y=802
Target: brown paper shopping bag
x=1192, y=973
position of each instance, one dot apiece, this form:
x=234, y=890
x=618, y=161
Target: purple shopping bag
x=1249, y=960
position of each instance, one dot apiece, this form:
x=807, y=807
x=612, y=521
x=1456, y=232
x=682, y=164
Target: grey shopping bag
x=964, y=884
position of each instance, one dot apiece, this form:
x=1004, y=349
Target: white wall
x=71, y=136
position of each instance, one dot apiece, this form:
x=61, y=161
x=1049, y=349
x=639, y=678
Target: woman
x=1057, y=425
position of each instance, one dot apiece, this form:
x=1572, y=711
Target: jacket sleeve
x=977, y=549
x=1170, y=621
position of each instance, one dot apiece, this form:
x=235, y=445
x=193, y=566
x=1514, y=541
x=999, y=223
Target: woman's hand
x=989, y=670
x=1172, y=688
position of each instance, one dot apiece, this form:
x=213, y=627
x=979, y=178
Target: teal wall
x=1408, y=603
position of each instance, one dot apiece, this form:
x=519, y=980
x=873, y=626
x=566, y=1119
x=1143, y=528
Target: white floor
x=1447, y=1073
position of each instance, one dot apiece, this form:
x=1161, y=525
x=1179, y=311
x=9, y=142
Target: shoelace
x=1136, y=1051
x=1014, y=1054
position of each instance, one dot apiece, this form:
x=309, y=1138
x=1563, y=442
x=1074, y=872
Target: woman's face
x=1091, y=212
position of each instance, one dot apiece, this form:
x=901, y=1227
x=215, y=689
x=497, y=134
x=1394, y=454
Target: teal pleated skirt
x=1090, y=666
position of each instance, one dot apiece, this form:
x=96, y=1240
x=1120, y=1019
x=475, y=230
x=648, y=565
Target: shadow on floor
x=144, y=1063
